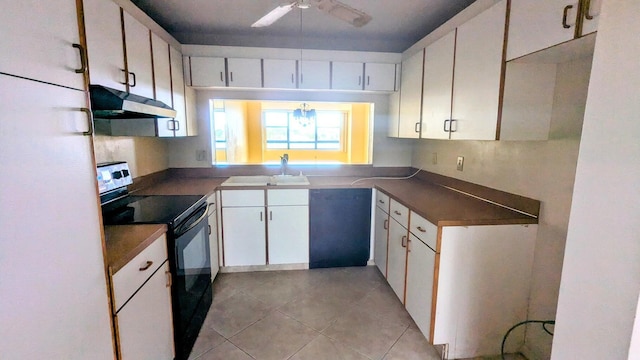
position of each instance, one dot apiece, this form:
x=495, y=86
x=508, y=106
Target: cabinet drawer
x=231, y=198
x=288, y=197
x=129, y=279
x=424, y=230
x=399, y=212
x=382, y=201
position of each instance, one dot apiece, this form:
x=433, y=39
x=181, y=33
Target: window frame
x=288, y=142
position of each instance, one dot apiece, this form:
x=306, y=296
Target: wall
x=601, y=273
x=386, y=151
x=145, y=155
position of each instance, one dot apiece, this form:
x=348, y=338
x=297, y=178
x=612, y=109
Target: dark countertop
x=124, y=242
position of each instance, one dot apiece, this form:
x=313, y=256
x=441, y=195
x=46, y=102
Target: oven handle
x=194, y=223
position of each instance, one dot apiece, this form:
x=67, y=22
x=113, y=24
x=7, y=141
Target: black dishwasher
x=339, y=227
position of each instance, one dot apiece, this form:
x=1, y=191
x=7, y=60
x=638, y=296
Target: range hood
x=108, y=103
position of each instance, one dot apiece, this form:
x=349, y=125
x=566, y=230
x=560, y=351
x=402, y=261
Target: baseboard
x=232, y=269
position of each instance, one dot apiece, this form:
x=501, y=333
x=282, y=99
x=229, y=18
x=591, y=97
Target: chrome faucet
x=284, y=160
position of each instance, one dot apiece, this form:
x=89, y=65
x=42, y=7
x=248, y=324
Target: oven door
x=192, y=294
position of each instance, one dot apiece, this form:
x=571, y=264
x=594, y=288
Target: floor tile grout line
x=395, y=342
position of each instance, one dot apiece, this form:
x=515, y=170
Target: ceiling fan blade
x=274, y=15
x=344, y=12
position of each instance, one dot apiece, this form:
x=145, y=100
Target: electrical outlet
x=434, y=158
x=201, y=155
x=460, y=163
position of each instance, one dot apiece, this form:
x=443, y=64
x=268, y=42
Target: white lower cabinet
x=421, y=260
x=145, y=327
x=213, y=236
x=288, y=234
x=244, y=235
x=397, y=257
x=380, y=241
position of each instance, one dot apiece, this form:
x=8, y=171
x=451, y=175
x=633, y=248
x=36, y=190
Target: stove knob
x=125, y=173
x=117, y=175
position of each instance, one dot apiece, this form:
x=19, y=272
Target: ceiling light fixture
x=304, y=115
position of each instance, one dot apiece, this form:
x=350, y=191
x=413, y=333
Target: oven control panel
x=113, y=175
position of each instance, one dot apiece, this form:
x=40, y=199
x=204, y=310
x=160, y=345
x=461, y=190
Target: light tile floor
x=332, y=314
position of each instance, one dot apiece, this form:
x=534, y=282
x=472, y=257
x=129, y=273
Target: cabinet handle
x=301, y=78
x=404, y=242
x=368, y=80
x=169, y=278
x=176, y=125
x=451, y=128
x=231, y=76
x=209, y=226
x=421, y=229
x=408, y=245
x=417, y=127
x=565, y=14
x=260, y=216
x=221, y=77
x=169, y=123
x=125, y=77
x=83, y=59
x=381, y=201
x=135, y=82
x=445, y=125
x=587, y=7
x=89, y=121
x=292, y=78
x=146, y=266
x=385, y=224
x=397, y=212
x=359, y=80
x=270, y=215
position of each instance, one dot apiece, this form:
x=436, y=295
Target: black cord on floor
x=544, y=327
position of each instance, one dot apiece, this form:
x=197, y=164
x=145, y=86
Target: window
x=284, y=131
x=219, y=124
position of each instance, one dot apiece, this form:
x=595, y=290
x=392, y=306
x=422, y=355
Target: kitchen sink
x=264, y=180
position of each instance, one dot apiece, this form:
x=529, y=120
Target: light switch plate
x=460, y=163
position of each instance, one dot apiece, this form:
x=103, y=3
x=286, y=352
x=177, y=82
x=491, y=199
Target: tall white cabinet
x=53, y=273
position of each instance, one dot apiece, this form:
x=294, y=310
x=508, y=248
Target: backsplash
x=144, y=155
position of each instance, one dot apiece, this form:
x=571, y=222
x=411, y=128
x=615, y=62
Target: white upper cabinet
x=279, y=74
x=347, y=75
x=315, y=74
x=438, y=84
x=161, y=69
x=207, y=72
x=138, y=46
x=177, y=86
x=244, y=73
x=538, y=24
x=590, y=16
x=379, y=77
x=411, y=96
x=478, y=70
x=41, y=41
x=104, y=44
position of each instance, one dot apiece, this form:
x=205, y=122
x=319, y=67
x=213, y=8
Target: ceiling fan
x=334, y=8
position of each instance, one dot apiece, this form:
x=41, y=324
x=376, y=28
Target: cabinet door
x=244, y=236
x=105, y=49
x=279, y=74
x=379, y=77
x=177, y=87
x=245, y=73
x=37, y=41
x=411, y=96
x=381, y=240
x=538, y=24
x=346, y=75
x=591, y=16
x=207, y=71
x=288, y=234
x=213, y=244
x=438, y=83
x=138, y=46
x=397, y=257
x=145, y=326
x=41, y=141
x=421, y=260
x=476, y=93
x=161, y=69
x=394, y=115
x=315, y=75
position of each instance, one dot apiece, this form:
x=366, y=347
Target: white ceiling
x=396, y=24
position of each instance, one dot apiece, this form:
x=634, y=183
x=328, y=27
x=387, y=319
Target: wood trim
x=171, y=76
x=579, y=19
x=503, y=69
x=266, y=227
x=453, y=77
x=124, y=51
x=436, y=276
x=424, y=58
x=386, y=266
x=406, y=261
x=153, y=67
x=221, y=230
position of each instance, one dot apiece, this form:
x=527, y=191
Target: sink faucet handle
x=285, y=157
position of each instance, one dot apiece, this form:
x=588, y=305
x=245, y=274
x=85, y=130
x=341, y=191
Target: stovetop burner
x=154, y=209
